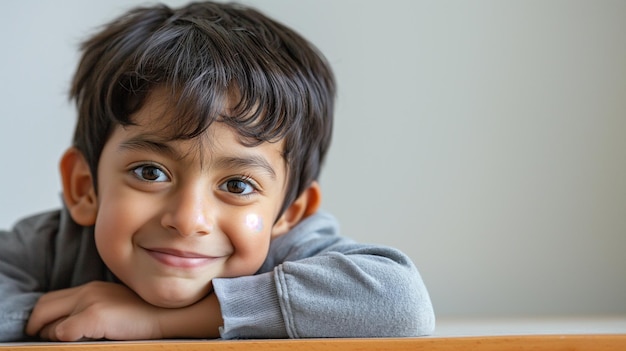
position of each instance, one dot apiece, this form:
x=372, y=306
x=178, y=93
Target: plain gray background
x=484, y=138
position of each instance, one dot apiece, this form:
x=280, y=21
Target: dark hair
x=204, y=54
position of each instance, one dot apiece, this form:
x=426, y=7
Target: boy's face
x=173, y=215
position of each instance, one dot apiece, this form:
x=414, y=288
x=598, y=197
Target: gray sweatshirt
x=314, y=283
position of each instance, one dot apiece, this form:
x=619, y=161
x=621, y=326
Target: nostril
x=202, y=225
x=207, y=230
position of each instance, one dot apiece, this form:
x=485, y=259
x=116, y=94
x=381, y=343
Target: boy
x=191, y=197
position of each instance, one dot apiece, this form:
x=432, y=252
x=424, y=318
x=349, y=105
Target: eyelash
x=247, y=179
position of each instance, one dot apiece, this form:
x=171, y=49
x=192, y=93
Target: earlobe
x=78, y=189
x=305, y=205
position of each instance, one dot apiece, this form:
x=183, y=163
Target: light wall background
x=486, y=139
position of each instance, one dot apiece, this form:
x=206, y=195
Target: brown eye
x=150, y=173
x=238, y=187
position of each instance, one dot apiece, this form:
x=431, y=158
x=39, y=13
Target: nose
x=188, y=213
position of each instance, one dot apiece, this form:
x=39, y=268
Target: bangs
x=212, y=74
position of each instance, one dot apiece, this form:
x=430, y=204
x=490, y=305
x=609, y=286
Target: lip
x=178, y=258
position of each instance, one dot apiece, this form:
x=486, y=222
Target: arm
x=105, y=310
x=317, y=284
x=42, y=253
x=23, y=262
x=14, y=311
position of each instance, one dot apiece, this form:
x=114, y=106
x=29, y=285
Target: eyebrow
x=249, y=161
x=145, y=144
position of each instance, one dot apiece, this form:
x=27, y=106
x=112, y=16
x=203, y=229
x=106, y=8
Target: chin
x=171, y=299
x=172, y=304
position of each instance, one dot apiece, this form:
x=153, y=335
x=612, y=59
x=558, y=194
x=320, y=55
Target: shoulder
x=36, y=227
x=320, y=229
x=47, y=226
x=25, y=250
x=318, y=224
x=319, y=234
x=39, y=237
x=312, y=235
x=53, y=248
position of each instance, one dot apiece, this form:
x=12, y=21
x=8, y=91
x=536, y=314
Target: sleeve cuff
x=250, y=307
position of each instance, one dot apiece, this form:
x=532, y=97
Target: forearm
x=20, y=284
x=14, y=313
x=200, y=320
x=373, y=292
x=250, y=307
x=367, y=292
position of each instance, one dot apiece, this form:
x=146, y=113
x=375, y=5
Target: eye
x=150, y=173
x=238, y=186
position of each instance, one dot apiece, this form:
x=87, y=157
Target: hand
x=96, y=310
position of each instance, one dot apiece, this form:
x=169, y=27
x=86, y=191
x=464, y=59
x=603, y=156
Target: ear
x=305, y=205
x=78, y=190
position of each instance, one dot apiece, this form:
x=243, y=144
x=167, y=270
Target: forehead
x=158, y=121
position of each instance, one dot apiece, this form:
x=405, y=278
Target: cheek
x=113, y=216
x=249, y=234
x=255, y=237
x=250, y=238
x=115, y=225
x=254, y=223
x=110, y=234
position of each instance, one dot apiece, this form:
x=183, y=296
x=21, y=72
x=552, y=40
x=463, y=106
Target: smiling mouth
x=179, y=259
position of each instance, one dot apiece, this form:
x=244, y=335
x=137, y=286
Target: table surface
x=447, y=327
x=589, y=333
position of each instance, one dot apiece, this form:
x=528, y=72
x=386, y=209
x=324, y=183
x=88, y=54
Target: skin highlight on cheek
x=254, y=222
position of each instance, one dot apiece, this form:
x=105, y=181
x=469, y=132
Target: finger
x=48, y=331
x=49, y=308
x=56, y=331
x=82, y=326
x=51, y=296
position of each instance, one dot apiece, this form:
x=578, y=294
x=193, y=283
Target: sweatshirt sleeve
x=23, y=265
x=317, y=284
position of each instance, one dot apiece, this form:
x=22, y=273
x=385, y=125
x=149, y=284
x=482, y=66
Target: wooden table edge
x=595, y=342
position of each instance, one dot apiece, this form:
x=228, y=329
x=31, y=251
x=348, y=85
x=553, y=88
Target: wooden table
x=608, y=342
x=593, y=334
